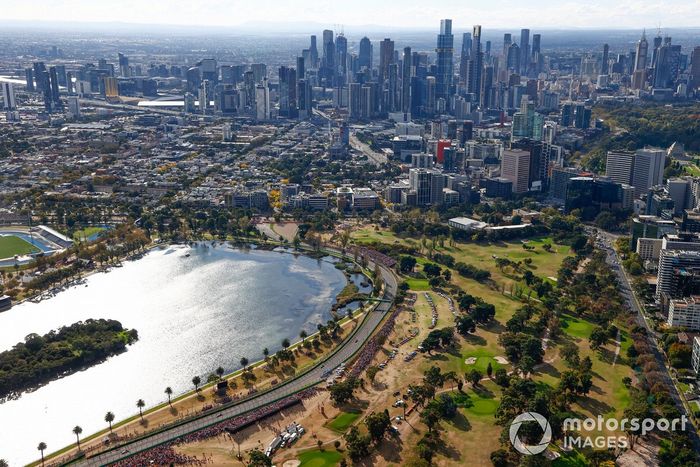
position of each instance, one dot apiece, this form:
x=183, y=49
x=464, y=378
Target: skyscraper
x=444, y=50
x=605, y=66
x=29, y=76
x=123, y=65
x=313, y=53
x=515, y=166
x=365, y=56
x=475, y=64
x=386, y=56
x=55, y=96
x=406, y=80
x=524, y=50
x=464, y=57
x=694, y=81
x=341, y=55
x=8, y=96
x=641, y=55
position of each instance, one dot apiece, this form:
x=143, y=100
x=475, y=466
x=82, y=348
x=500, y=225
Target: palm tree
x=266, y=353
x=140, y=404
x=77, y=431
x=42, y=448
x=109, y=418
x=303, y=335
x=169, y=392
x=244, y=363
x=196, y=380
x=285, y=343
x=220, y=372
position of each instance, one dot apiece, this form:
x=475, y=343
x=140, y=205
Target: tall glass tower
x=444, y=50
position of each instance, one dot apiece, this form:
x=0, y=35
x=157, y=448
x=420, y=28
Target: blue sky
x=563, y=14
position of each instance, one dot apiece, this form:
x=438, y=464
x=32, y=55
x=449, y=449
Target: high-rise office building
x=365, y=56
x=55, y=95
x=619, y=166
x=605, y=65
x=341, y=55
x=74, y=107
x=536, y=54
x=524, y=50
x=475, y=65
x=8, y=96
x=386, y=56
x=406, y=74
x=29, y=78
x=262, y=101
x=313, y=54
x=124, y=71
x=694, y=81
x=640, y=63
x=444, y=51
x=515, y=166
x=464, y=57
x=648, y=169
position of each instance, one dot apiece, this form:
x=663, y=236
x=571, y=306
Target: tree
x=599, y=337
x=196, y=381
x=569, y=352
x=406, y=264
x=266, y=353
x=342, y=391
x=483, y=312
x=434, y=377
x=377, y=424
x=465, y=325
x=259, y=459
x=430, y=416
x=109, y=418
x=474, y=376
x=358, y=445
x=244, y=363
x=169, y=392
x=489, y=370
x=285, y=343
x=3, y=463
x=680, y=355
x=220, y=372
x=446, y=405
x=42, y=448
x=499, y=458
x=303, y=335
x=372, y=372
x=140, y=404
x=77, y=431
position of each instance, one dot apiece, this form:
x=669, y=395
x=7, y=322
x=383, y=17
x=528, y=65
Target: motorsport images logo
x=527, y=449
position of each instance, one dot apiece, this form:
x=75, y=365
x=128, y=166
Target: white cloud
x=404, y=13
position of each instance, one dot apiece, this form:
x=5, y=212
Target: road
x=347, y=350
x=606, y=243
x=376, y=157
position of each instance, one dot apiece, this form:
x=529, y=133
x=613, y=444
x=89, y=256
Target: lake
x=193, y=313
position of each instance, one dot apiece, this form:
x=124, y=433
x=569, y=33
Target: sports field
x=11, y=245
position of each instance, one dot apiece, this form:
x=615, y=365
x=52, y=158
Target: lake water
x=192, y=314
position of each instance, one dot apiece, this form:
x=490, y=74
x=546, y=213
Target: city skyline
x=543, y=14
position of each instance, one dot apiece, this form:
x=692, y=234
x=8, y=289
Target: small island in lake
x=40, y=359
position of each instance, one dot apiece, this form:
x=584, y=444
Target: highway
x=342, y=354
x=606, y=243
x=376, y=157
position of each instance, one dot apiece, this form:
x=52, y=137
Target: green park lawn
x=318, y=458
x=576, y=327
x=11, y=246
x=343, y=421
